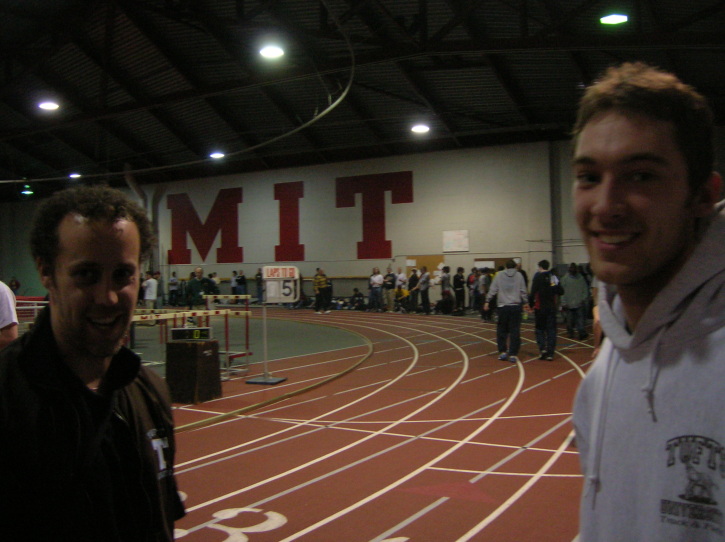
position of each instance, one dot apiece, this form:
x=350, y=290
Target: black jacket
x=75, y=465
x=543, y=294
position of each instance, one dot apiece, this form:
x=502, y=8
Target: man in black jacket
x=87, y=434
x=544, y=290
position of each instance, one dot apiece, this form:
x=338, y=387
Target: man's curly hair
x=640, y=88
x=96, y=203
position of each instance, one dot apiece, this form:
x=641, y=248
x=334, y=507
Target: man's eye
x=586, y=178
x=642, y=176
x=123, y=276
x=86, y=276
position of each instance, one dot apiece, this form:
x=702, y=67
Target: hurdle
x=229, y=355
x=162, y=316
x=27, y=309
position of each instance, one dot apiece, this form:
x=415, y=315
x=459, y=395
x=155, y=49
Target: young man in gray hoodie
x=649, y=414
x=510, y=287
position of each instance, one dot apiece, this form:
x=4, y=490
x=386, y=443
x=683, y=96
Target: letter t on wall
x=373, y=188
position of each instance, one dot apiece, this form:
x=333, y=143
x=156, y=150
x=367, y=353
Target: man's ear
x=709, y=194
x=45, y=272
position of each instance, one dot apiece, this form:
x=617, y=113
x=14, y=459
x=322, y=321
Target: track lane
x=473, y=340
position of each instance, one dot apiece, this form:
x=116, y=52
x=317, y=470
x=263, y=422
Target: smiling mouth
x=108, y=322
x=614, y=239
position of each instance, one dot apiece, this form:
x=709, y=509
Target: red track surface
x=431, y=438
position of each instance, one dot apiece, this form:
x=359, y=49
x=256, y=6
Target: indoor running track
x=420, y=434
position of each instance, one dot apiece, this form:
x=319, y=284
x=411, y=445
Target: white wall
x=501, y=195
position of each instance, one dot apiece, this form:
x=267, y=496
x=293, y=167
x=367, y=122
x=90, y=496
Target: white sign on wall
x=455, y=241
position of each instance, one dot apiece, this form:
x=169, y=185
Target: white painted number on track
x=237, y=534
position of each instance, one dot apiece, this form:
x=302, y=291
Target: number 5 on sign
x=281, y=283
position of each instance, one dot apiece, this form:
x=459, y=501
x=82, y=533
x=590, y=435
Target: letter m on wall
x=223, y=218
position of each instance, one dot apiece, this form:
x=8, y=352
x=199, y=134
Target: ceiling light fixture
x=48, y=106
x=216, y=155
x=614, y=18
x=271, y=51
x=74, y=175
x=27, y=191
x=420, y=129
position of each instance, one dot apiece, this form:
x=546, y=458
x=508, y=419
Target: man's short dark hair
x=640, y=88
x=96, y=203
x=510, y=264
x=544, y=264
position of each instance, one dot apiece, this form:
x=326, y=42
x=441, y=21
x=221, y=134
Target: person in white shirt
x=375, y=302
x=8, y=316
x=150, y=286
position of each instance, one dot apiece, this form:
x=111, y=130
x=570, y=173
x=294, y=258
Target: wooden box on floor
x=192, y=371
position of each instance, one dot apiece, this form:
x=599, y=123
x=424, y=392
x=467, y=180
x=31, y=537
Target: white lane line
x=523, y=489
x=417, y=471
x=324, y=457
x=410, y=366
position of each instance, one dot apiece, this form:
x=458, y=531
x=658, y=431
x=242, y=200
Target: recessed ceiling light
x=74, y=175
x=614, y=18
x=271, y=51
x=420, y=129
x=216, y=155
x=48, y=106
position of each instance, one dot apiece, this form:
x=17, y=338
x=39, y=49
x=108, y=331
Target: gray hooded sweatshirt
x=650, y=414
x=510, y=287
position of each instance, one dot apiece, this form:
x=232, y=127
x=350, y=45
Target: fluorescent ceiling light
x=614, y=18
x=271, y=51
x=216, y=155
x=420, y=129
x=48, y=106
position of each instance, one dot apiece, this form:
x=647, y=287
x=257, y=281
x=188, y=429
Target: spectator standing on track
x=149, y=287
x=196, y=288
x=412, y=283
x=173, y=289
x=484, y=285
x=649, y=413
x=401, y=280
x=459, y=290
x=471, y=284
x=323, y=292
x=424, y=288
x=234, y=283
x=8, y=316
x=574, y=301
x=543, y=298
x=376, y=291
x=87, y=432
x=389, y=289
x=159, y=290
x=510, y=289
x=242, y=283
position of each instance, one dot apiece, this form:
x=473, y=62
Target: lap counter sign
x=281, y=285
